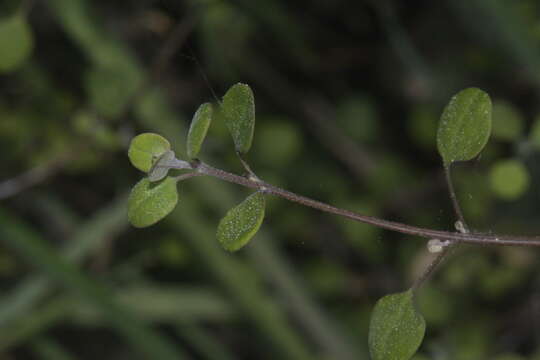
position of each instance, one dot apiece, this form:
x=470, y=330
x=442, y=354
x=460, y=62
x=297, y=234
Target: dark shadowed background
x=348, y=96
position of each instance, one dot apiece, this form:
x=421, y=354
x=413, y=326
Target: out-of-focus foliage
x=16, y=42
x=348, y=100
x=509, y=179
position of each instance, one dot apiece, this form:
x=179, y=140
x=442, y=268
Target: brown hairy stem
x=468, y=238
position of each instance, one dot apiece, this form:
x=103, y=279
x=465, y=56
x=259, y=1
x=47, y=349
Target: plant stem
x=432, y=266
x=247, y=167
x=453, y=197
x=463, y=228
x=476, y=238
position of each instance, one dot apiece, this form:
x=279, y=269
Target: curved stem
x=463, y=228
x=469, y=238
x=432, y=266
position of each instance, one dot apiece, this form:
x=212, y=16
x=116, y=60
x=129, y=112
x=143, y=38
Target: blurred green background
x=348, y=97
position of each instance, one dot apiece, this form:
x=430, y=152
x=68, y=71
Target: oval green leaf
x=241, y=223
x=146, y=149
x=150, y=202
x=465, y=126
x=396, y=329
x=16, y=42
x=509, y=179
x=159, y=171
x=238, y=108
x=198, y=129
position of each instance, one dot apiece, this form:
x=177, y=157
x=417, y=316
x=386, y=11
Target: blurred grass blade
x=498, y=23
x=111, y=59
x=241, y=286
x=18, y=236
x=32, y=322
x=204, y=342
x=265, y=255
x=47, y=349
x=106, y=223
x=155, y=304
x=164, y=304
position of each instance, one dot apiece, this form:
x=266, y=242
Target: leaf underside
x=241, y=223
x=198, y=129
x=150, y=202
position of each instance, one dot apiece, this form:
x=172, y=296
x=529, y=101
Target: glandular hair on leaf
x=241, y=223
x=465, y=126
x=238, y=108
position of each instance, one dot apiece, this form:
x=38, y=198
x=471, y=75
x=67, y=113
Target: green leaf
x=241, y=222
x=146, y=149
x=198, y=129
x=239, y=112
x=465, y=126
x=509, y=179
x=150, y=202
x=159, y=171
x=396, y=329
x=16, y=42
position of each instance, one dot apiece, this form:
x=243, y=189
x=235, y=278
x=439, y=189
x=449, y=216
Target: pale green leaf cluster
x=156, y=195
x=396, y=329
x=465, y=126
x=241, y=223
